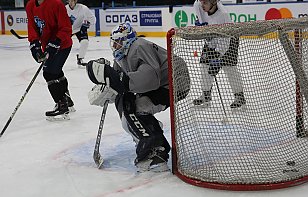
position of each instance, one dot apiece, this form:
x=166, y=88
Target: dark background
x=10, y=4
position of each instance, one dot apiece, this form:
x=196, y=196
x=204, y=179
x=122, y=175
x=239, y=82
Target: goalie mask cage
x=264, y=145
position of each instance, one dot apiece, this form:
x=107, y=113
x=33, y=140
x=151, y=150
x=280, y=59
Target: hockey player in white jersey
x=81, y=18
x=215, y=53
x=138, y=84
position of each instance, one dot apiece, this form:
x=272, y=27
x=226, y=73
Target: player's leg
x=57, y=85
x=152, y=147
x=236, y=84
x=84, y=44
x=70, y=102
x=207, y=80
x=233, y=75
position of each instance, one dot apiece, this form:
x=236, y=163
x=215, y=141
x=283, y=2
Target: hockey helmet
x=121, y=38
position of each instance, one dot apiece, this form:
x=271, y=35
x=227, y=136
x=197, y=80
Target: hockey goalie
x=138, y=85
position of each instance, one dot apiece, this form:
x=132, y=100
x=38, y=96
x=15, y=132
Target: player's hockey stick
x=96, y=155
x=225, y=119
x=16, y=35
x=22, y=98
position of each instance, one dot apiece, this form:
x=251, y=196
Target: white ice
x=54, y=159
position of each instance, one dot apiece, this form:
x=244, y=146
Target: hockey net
x=261, y=146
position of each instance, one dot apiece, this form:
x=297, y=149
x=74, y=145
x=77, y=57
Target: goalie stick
x=96, y=155
x=16, y=35
x=21, y=99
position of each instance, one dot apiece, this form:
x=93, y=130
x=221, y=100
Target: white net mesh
x=263, y=141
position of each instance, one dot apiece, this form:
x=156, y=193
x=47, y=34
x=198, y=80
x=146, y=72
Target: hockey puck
x=290, y=163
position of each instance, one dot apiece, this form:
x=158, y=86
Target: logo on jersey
x=72, y=19
x=274, y=13
x=40, y=24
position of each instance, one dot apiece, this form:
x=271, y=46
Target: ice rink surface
x=39, y=158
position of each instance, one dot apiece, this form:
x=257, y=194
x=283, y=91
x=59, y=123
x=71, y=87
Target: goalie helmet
x=121, y=38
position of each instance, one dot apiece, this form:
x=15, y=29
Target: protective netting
x=262, y=142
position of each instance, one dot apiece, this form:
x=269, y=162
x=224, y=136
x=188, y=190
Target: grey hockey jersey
x=146, y=66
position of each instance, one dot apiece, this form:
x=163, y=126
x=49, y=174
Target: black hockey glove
x=52, y=48
x=84, y=27
x=213, y=59
x=215, y=66
x=100, y=69
x=36, y=50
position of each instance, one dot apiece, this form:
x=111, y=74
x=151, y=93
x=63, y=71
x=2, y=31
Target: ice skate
x=60, y=112
x=155, y=162
x=70, y=103
x=80, y=62
x=239, y=102
x=204, y=100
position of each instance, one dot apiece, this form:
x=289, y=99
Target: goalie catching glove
x=109, y=82
x=101, y=93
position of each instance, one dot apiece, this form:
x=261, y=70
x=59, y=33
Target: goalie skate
x=155, y=162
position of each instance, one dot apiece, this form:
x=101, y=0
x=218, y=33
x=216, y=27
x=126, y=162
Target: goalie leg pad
x=144, y=105
x=144, y=127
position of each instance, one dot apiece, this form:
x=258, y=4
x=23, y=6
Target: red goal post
x=262, y=147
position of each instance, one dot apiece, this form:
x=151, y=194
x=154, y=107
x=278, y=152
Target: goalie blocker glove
x=99, y=70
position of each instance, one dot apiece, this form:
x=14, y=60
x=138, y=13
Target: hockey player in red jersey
x=49, y=34
x=138, y=84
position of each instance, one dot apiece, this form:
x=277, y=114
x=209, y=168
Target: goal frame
x=217, y=185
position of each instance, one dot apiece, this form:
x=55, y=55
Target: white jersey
x=79, y=15
x=221, y=16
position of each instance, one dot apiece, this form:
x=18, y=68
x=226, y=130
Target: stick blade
x=98, y=160
x=16, y=35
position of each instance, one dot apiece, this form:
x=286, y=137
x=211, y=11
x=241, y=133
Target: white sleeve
x=89, y=16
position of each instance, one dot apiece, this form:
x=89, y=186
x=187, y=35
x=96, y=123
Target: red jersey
x=49, y=21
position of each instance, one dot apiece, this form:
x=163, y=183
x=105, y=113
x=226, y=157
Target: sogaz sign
x=113, y=18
